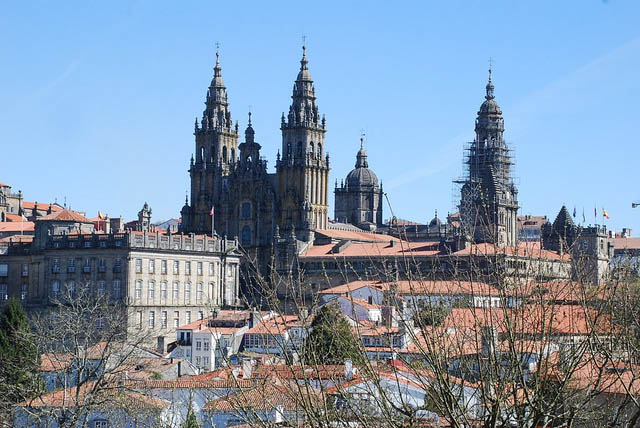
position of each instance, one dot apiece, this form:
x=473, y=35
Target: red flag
x=604, y=214
x=211, y=212
x=100, y=216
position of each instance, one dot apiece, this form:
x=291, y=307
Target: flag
x=211, y=212
x=584, y=220
x=574, y=212
x=604, y=214
x=595, y=212
x=100, y=216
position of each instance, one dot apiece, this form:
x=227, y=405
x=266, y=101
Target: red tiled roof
x=14, y=217
x=625, y=243
x=421, y=287
x=55, y=362
x=107, y=397
x=10, y=226
x=65, y=215
x=524, y=249
x=275, y=325
x=17, y=238
x=267, y=396
x=41, y=206
x=355, y=236
x=373, y=249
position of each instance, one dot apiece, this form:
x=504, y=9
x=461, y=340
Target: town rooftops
x=41, y=206
x=418, y=287
x=10, y=226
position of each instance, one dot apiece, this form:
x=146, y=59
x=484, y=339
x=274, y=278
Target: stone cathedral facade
x=231, y=180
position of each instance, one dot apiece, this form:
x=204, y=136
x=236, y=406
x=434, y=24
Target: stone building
x=164, y=280
x=231, y=190
x=489, y=197
x=589, y=246
x=359, y=198
x=13, y=206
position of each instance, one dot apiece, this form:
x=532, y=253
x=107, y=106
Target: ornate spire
x=249, y=133
x=217, y=114
x=490, y=95
x=303, y=110
x=361, y=157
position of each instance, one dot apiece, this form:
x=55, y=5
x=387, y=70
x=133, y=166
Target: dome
x=435, y=222
x=490, y=107
x=362, y=177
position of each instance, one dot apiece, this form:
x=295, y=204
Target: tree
x=331, y=340
x=19, y=357
x=191, y=421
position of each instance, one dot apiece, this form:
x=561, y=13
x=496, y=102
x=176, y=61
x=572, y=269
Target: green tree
x=19, y=357
x=431, y=315
x=191, y=421
x=331, y=341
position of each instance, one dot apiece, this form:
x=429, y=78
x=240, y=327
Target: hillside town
x=257, y=306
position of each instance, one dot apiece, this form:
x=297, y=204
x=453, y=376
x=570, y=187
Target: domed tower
x=215, y=157
x=489, y=198
x=358, y=200
x=303, y=170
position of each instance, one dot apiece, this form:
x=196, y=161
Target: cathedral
x=233, y=194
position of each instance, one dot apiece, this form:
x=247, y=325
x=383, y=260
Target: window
x=198, y=362
x=211, y=269
x=55, y=267
x=176, y=319
x=163, y=267
x=187, y=317
x=187, y=292
x=100, y=423
x=151, y=291
x=25, y=269
x=200, y=315
x=152, y=266
x=138, y=265
x=99, y=323
x=152, y=319
x=138, y=290
x=176, y=290
x=198, y=345
x=86, y=266
x=176, y=267
x=163, y=290
x=139, y=319
x=55, y=289
x=164, y=319
x=116, y=289
x=199, y=293
x=246, y=236
x=200, y=268
x=71, y=266
x=117, y=265
x=205, y=362
x=187, y=268
x=206, y=345
x=100, y=288
x=102, y=265
x=245, y=211
x=4, y=292
x=71, y=288
x=24, y=293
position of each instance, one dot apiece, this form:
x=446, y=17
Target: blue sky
x=99, y=98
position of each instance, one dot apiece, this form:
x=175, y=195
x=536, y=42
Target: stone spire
x=361, y=157
x=217, y=114
x=249, y=133
x=303, y=110
x=490, y=124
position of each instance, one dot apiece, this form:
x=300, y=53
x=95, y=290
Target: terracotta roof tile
x=65, y=215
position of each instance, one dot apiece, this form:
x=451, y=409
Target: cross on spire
x=362, y=135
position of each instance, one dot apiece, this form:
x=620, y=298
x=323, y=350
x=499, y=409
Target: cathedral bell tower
x=303, y=169
x=489, y=197
x=216, y=153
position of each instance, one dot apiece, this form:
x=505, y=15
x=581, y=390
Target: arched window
x=224, y=154
x=233, y=156
x=245, y=210
x=202, y=157
x=319, y=150
x=311, y=149
x=211, y=157
x=246, y=236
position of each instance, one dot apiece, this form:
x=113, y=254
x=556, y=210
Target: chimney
x=179, y=368
x=489, y=341
x=348, y=369
x=247, y=368
x=161, y=348
x=254, y=318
